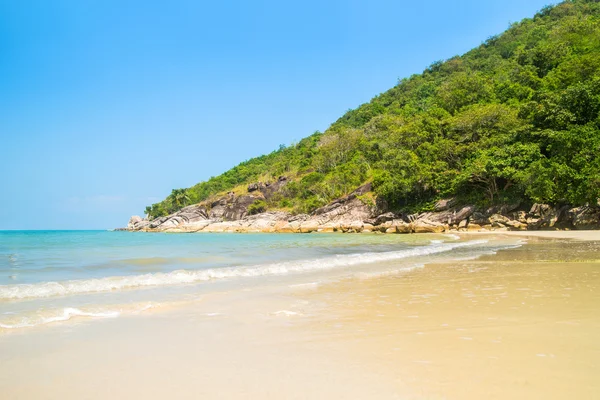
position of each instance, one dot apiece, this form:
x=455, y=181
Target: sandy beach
x=558, y=234
x=519, y=324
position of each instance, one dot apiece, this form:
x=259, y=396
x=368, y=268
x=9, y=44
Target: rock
x=229, y=213
x=309, y=226
x=474, y=227
x=193, y=213
x=368, y=227
x=533, y=223
x=521, y=216
x=499, y=221
x=542, y=216
x=443, y=205
x=426, y=226
x=356, y=226
x=299, y=217
x=239, y=207
x=539, y=210
x=515, y=225
x=137, y=223
x=450, y=217
x=479, y=219
x=585, y=218
x=401, y=226
x=253, y=187
x=134, y=220
x=155, y=223
x=348, y=212
x=502, y=209
x=329, y=227
x=290, y=227
x=380, y=219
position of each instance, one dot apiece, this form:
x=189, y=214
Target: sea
x=51, y=277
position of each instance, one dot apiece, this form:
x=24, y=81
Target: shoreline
x=584, y=235
x=497, y=326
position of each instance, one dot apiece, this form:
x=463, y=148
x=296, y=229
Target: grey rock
x=444, y=204
x=585, y=218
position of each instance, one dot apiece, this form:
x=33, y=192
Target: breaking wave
x=49, y=316
x=116, y=283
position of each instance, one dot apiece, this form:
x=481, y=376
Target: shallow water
x=319, y=317
x=522, y=324
x=53, y=276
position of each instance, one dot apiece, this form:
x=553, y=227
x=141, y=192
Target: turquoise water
x=52, y=276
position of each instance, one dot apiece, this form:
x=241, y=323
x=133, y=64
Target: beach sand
x=521, y=324
x=558, y=234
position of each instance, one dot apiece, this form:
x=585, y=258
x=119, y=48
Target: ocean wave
x=64, y=315
x=116, y=283
x=45, y=316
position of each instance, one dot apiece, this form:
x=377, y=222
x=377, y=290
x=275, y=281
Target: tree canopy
x=516, y=118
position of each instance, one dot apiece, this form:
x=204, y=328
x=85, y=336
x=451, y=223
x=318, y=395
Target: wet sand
x=558, y=234
x=521, y=324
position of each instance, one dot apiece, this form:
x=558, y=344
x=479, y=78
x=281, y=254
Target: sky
x=105, y=106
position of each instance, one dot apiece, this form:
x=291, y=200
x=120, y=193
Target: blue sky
x=105, y=106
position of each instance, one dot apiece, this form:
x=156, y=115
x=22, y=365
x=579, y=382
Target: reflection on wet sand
x=521, y=324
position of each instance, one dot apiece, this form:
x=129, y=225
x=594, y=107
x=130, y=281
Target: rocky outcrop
x=351, y=214
x=583, y=218
x=137, y=223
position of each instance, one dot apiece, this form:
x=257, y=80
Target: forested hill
x=515, y=119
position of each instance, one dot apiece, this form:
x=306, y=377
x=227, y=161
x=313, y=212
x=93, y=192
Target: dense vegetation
x=516, y=119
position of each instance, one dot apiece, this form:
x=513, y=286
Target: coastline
x=497, y=326
x=351, y=214
x=520, y=324
x=589, y=235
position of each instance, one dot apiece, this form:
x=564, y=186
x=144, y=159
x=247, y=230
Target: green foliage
x=259, y=206
x=515, y=118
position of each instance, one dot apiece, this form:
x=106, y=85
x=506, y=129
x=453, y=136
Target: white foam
x=65, y=315
x=452, y=236
x=45, y=316
x=286, y=313
x=115, y=283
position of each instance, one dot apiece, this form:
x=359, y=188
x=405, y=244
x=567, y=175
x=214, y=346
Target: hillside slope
x=515, y=120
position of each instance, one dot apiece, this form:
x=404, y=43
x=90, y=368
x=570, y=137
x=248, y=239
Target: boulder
x=449, y=217
x=444, y=204
x=356, y=226
x=193, y=213
x=137, y=223
x=309, y=226
x=585, y=217
x=539, y=210
x=426, y=226
x=134, y=220
x=479, y=219
x=380, y=219
x=499, y=221
x=253, y=187
x=329, y=227
x=239, y=207
x=472, y=227
x=401, y=226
